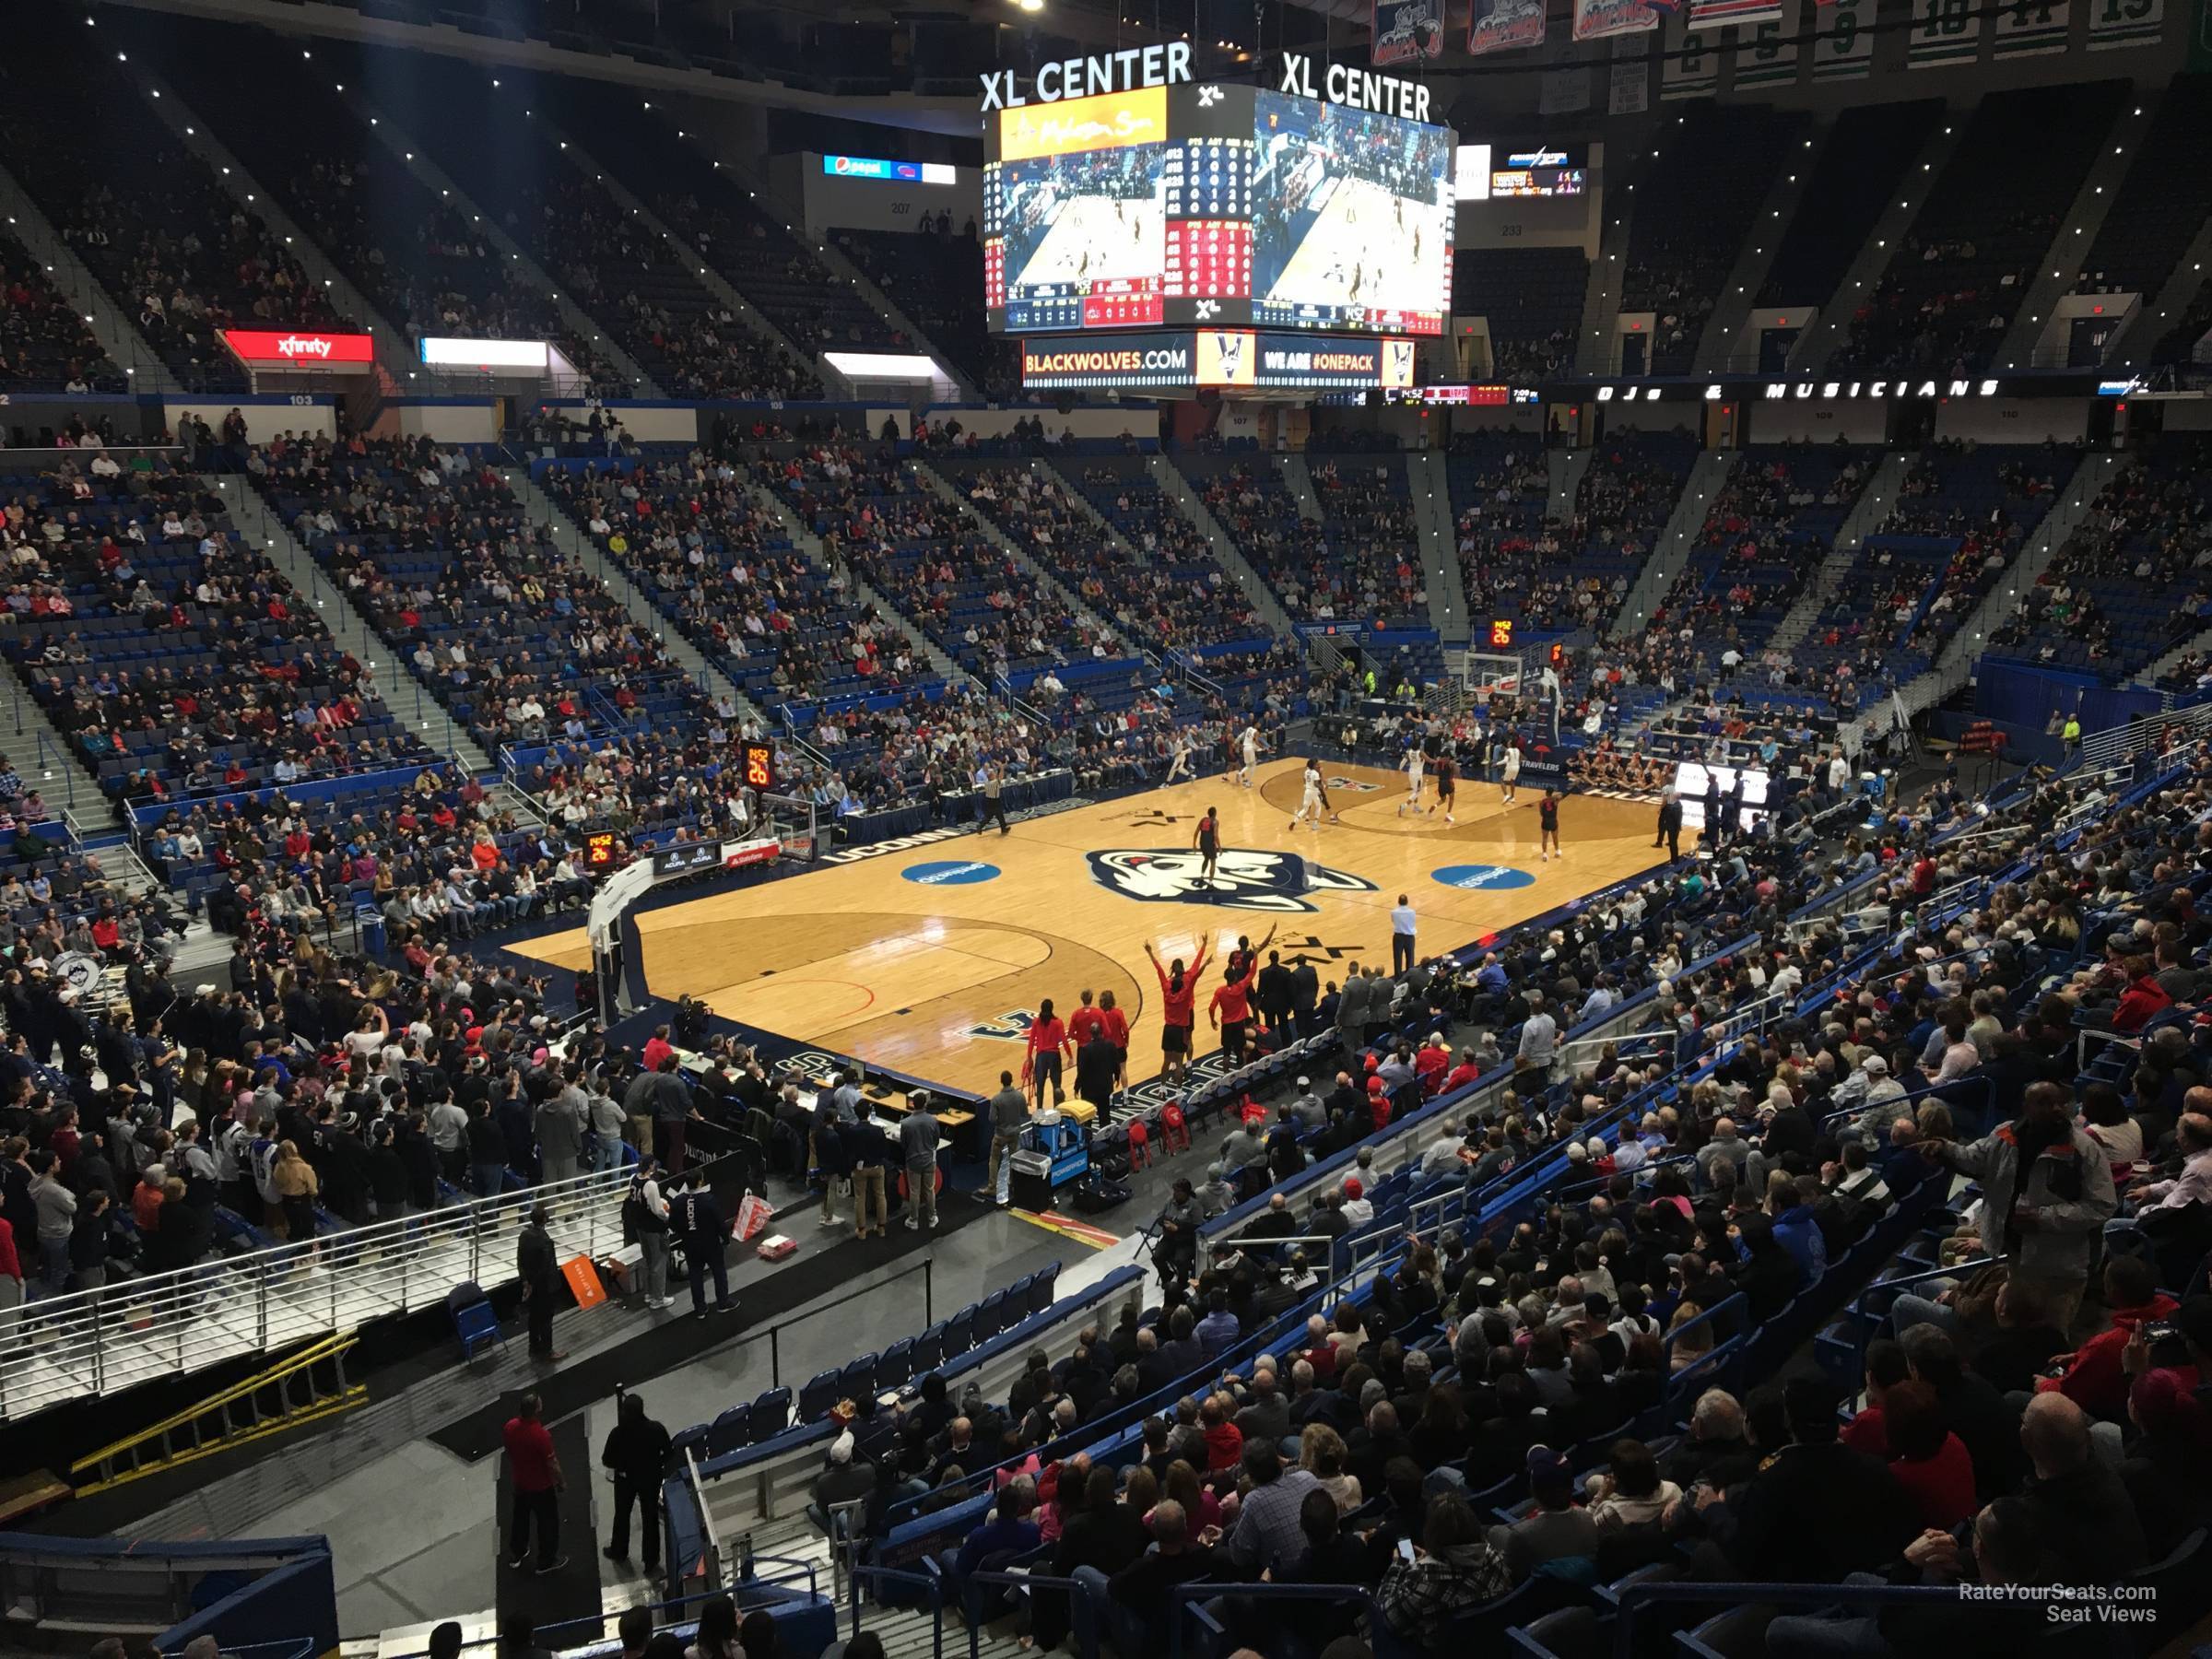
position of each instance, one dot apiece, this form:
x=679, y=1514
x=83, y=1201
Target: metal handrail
x=103, y=1340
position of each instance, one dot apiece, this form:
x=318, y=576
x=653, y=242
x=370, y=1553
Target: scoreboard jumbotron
x=1231, y=227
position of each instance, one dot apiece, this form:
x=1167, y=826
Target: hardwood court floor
x=938, y=977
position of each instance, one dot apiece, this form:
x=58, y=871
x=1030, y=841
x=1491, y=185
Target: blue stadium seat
x=821, y=1393
x=959, y=1333
x=730, y=1430
x=857, y=1383
x=771, y=1414
x=929, y=1349
x=991, y=1316
x=896, y=1369
x=694, y=1440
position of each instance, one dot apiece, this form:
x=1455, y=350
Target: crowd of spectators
x=45, y=342
x=231, y=679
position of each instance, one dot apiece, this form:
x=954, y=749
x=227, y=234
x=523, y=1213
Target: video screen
x=1075, y=216
x=1542, y=170
x=1352, y=217
x=1690, y=779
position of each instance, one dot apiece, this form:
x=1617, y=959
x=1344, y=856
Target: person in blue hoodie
x=1795, y=1232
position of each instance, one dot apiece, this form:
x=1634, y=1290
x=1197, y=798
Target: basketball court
x=932, y=959
x=1100, y=238
x=1362, y=230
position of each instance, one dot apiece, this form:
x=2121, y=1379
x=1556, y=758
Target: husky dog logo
x=1242, y=881
x=1351, y=785
x=1012, y=1026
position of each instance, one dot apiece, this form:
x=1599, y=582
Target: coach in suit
x=1273, y=988
x=1305, y=995
x=1670, y=824
x=1351, y=1011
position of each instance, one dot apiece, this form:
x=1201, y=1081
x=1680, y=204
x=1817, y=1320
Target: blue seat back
x=819, y=1393
x=731, y=1429
x=771, y=1412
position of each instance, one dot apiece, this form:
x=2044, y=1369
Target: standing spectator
x=534, y=1471
x=636, y=1455
x=919, y=1133
x=1009, y=1116
x=706, y=1238
x=537, y=1265
x=2046, y=1195
x=645, y=1221
x=871, y=1156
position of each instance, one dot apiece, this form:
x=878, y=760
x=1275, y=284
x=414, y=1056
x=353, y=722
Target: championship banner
x=1766, y=53
x=1505, y=25
x=1945, y=34
x=1405, y=31
x=2115, y=24
x=1843, y=48
x=1564, y=91
x=1628, y=88
x=1593, y=19
x=2033, y=29
x=1690, y=65
x=1704, y=14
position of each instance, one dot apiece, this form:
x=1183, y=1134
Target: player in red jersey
x=1231, y=1013
x=1114, y=1027
x=1084, y=1024
x=1178, y=1009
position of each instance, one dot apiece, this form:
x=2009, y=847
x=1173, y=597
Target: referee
x=992, y=781
x=1400, y=935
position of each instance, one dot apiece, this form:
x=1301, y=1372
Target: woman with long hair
x=1179, y=1011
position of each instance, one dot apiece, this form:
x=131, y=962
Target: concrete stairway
x=404, y=692
x=417, y=161
x=709, y=277
x=394, y=353
x=1867, y=514
x=110, y=324
x=810, y=546
x=1223, y=546
x=1812, y=347
x=2024, y=346
x=1299, y=479
x=568, y=537
x=1433, y=526
x=1670, y=553
x=1719, y=343
x=1091, y=619
x=1566, y=468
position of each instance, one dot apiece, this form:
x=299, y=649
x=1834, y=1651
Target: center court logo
x=950, y=872
x=1242, y=881
x=1483, y=879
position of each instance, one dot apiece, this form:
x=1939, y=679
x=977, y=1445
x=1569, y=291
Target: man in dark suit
x=1670, y=824
x=697, y=1218
x=1273, y=991
x=1305, y=997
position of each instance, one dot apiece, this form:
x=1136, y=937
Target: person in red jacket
x=2091, y=1376
x=1926, y=1458
x=1231, y=1013
x=1429, y=1062
x=1114, y=1028
x=1179, y=1011
x=2143, y=998
x=1049, y=1045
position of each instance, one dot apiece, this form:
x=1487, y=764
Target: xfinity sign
x=274, y=349
x=1124, y=71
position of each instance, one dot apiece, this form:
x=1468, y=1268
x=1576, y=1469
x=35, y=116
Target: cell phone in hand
x=1405, y=1549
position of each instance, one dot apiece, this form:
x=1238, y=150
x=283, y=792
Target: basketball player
x=1208, y=839
x=1179, y=766
x=1244, y=956
x=1509, y=771
x=1327, y=804
x=1548, y=824
x=1114, y=1029
x=1415, y=762
x=1178, y=998
x=1308, y=805
x=1252, y=749
x=1447, y=786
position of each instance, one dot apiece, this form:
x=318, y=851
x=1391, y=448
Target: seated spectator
x=1453, y=1569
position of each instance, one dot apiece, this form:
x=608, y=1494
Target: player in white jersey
x=1252, y=747
x=1509, y=772
x=1415, y=764
x=1179, y=765
x=1311, y=803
